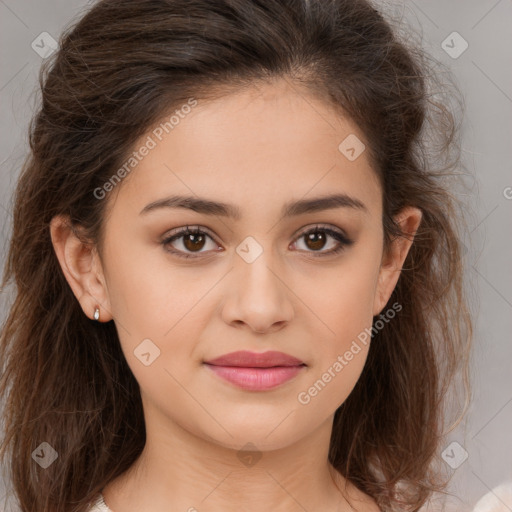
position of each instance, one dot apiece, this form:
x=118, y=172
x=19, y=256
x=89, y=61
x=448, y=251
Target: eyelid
x=183, y=230
x=323, y=227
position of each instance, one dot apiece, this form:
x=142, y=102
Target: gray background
x=484, y=74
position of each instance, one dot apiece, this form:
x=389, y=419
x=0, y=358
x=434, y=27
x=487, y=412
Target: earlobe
x=81, y=268
x=409, y=220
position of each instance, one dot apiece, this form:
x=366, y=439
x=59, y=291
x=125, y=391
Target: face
x=270, y=268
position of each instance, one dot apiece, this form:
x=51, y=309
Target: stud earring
x=96, y=315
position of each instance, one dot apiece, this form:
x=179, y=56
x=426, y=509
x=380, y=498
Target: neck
x=182, y=471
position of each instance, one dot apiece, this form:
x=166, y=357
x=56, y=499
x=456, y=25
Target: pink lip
x=256, y=379
x=256, y=359
x=256, y=371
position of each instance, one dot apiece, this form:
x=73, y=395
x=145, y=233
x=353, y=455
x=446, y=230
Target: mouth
x=247, y=359
x=256, y=371
x=256, y=378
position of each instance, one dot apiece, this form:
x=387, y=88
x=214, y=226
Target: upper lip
x=246, y=359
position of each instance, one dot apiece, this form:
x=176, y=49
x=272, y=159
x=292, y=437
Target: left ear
x=409, y=220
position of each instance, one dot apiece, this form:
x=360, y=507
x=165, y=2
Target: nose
x=258, y=297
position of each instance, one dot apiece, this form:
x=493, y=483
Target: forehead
x=257, y=147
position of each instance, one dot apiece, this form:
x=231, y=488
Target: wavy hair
x=118, y=68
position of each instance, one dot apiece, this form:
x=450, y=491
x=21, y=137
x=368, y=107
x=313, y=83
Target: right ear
x=82, y=268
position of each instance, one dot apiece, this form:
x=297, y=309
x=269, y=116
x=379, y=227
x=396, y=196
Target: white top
x=99, y=505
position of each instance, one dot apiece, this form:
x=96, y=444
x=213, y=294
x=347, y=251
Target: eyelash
x=196, y=230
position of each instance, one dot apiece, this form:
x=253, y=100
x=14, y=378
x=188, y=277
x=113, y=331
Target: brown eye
x=191, y=240
x=317, y=238
x=315, y=241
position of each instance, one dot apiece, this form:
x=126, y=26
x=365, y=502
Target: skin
x=257, y=149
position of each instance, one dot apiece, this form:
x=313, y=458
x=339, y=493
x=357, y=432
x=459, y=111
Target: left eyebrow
x=290, y=209
x=318, y=204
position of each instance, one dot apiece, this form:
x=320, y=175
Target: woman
x=238, y=275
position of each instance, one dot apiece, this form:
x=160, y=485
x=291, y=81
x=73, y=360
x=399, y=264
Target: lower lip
x=256, y=379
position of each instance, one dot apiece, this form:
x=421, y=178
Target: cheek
x=342, y=342
x=341, y=299
x=149, y=295
x=159, y=315
x=331, y=383
x=342, y=337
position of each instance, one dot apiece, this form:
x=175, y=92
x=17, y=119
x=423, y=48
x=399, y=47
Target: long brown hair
x=64, y=378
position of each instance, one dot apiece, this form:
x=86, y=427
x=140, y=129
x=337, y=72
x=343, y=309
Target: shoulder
x=357, y=499
x=99, y=505
x=360, y=500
